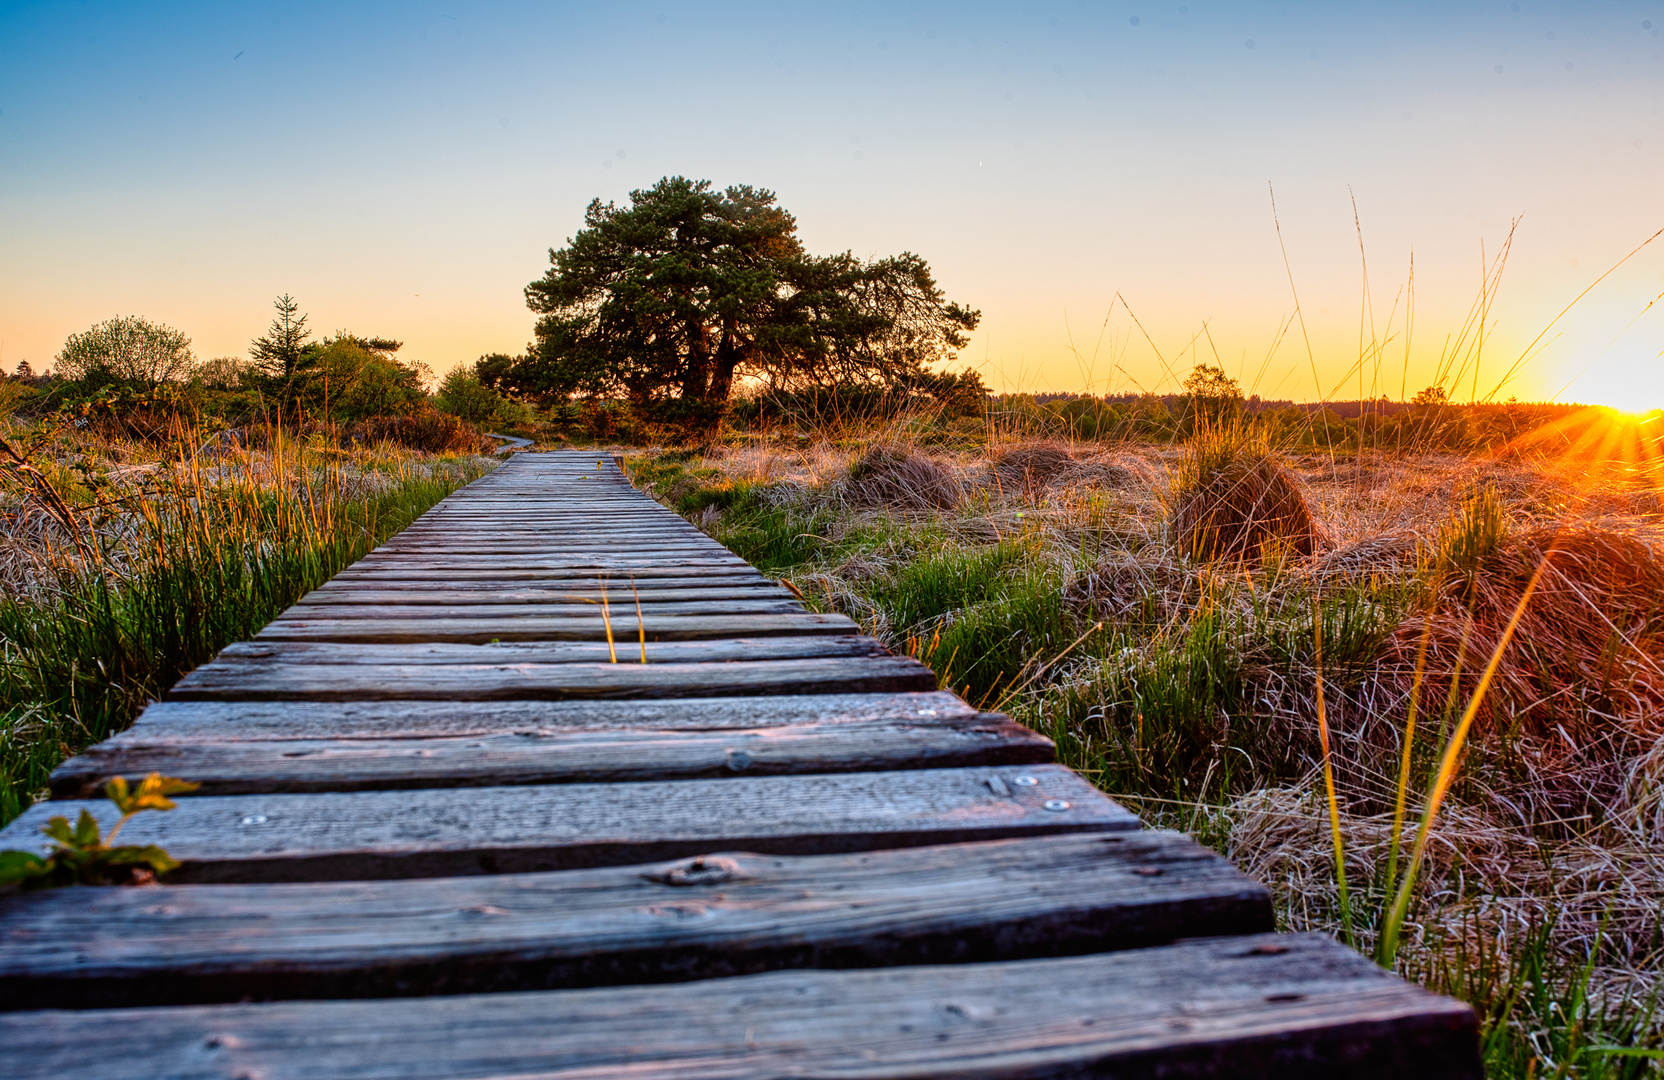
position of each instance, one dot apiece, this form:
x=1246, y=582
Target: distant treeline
x=1429, y=422
x=1346, y=410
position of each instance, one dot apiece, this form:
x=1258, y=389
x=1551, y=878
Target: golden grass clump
x=900, y=478
x=1034, y=464
x=1030, y=467
x=1233, y=499
x=1588, y=662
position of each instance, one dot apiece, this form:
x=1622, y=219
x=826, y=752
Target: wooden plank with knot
x=1264, y=1006
x=443, y=832
x=722, y=914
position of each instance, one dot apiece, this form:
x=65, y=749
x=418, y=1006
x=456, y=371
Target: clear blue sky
x=404, y=169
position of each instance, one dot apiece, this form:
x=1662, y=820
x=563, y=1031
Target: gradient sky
x=403, y=169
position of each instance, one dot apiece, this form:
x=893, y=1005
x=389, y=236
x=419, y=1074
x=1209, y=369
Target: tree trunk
x=696, y=381
x=722, y=373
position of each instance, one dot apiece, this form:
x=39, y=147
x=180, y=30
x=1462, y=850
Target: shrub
x=428, y=430
x=126, y=350
x=465, y=397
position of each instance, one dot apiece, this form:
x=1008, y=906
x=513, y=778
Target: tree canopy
x=281, y=352
x=689, y=288
x=127, y=350
x=1209, y=382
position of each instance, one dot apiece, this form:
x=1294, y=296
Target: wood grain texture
x=316, y=756
x=451, y=575
x=568, y=606
x=731, y=913
x=261, y=721
x=598, y=565
x=627, y=627
x=1267, y=1006
x=260, y=654
x=446, y=593
x=298, y=670
x=511, y=680
x=449, y=832
x=646, y=559
x=490, y=546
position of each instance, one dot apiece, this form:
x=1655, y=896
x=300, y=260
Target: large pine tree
x=687, y=288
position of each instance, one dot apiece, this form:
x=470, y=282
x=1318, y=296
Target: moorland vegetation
x=1405, y=670
x=1402, y=660
x=156, y=508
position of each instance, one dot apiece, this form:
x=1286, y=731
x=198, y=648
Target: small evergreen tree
x=282, y=353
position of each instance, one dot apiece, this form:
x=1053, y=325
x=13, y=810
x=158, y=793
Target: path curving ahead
x=552, y=784
x=511, y=443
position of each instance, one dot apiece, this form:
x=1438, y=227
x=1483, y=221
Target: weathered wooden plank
x=534, y=681
x=593, y=564
x=587, y=517
x=449, y=832
x=318, y=755
x=547, y=523
x=1265, y=1006
x=595, y=502
x=488, y=535
x=441, y=593
x=451, y=574
x=626, y=627
x=553, y=521
x=573, y=541
x=263, y=654
x=600, y=558
x=571, y=520
x=573, y=498
x=531, y=506
x=565, y=607
x=259, y=721
x=732, y=913
x=534, y=501
x=465, y=548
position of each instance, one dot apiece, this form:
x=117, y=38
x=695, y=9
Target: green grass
x=982, y=616
x=78, y=667
x=1193, y=697
x=1538, y=1017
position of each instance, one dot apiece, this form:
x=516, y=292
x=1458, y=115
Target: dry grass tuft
x=1585, y=679
x=1232, y=499
x=1031, y=467
x=902, y=479
x=1034, y=465
x=1503, y=879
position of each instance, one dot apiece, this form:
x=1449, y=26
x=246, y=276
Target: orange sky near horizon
x=404, y=174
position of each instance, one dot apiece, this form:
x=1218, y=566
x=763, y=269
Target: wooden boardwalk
x=448, y=829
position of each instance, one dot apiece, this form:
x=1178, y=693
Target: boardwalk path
x=446, y=829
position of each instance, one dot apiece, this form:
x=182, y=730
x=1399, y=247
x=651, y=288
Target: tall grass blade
x=1392, y=925
x=1329, y=778
x=1396, y=839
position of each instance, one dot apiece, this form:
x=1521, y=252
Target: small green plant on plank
x=82, y=857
